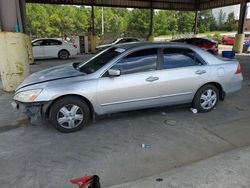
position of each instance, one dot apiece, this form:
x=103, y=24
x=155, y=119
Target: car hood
x=53, y=73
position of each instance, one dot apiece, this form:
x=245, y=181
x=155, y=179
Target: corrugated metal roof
x=156, y=4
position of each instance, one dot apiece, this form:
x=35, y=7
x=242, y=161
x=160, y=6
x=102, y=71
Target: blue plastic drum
x=228, y=54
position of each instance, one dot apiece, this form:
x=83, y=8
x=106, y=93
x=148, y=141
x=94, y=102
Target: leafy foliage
x=44, y=20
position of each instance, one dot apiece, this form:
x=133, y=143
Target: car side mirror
x=114, y=72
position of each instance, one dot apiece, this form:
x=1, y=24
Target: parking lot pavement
x=39, y=156
x=227, y=170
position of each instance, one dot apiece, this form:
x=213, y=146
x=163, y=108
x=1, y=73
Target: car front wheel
x=206, y=98
x=69, y=114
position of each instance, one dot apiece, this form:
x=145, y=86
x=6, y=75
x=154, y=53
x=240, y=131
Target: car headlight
x=28, y=95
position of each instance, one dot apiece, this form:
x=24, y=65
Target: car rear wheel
x=63, y=54
x=69, y=114
x=206, y=98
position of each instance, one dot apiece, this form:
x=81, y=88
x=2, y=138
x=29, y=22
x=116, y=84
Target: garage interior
x=39, y=156
x=13, y=23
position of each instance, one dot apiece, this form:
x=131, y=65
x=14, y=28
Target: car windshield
x=99, y=60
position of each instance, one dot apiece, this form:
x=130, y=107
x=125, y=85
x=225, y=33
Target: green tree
x=81, y=20
x=206, y=21
x=37, y=20
x=230, y=22
x=185, y=22
x=221, y=20
x=138, y=23
x=165, y=22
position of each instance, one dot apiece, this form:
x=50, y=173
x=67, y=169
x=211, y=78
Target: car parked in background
x=128, y=77
x=203, y=43
x=116, y=41
x=52, y=48
x=229, y=40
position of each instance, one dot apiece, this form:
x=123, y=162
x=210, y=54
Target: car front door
x=136, y=87
x=38, y=48
x=182, y=73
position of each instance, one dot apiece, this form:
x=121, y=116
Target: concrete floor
x=226, y=170
x=39, y=156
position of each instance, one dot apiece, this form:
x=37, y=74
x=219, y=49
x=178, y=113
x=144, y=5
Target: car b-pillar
x=15, y=46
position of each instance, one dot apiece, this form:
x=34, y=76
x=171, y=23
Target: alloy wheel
x=70, y=116
x=208, y=99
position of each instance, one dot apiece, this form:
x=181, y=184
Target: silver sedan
x=128, y=77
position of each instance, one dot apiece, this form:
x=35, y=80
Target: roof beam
x=190, y=5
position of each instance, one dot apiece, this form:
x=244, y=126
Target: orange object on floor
x=82, y=182
x=86, y=181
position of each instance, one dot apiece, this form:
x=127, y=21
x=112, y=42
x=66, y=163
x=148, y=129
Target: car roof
x=48, y=39
x=126, y=38
x=131, y=45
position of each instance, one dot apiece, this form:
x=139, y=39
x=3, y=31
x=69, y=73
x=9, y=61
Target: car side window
x=139, y=61
x=123, y=41
x=53, y=42
x=179, y=57
x=38, y=43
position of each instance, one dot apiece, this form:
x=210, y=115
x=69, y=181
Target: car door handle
x=152, y=79
x=200, y=72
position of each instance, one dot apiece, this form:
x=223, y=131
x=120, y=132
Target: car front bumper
x=35, y=111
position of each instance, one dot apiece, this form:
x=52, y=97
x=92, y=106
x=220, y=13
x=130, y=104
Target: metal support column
x=239, y=38
x=151, y=24
x=93, y=37
x=92, y=20
x=196, y=23
x=243, y=16
x=196, y=19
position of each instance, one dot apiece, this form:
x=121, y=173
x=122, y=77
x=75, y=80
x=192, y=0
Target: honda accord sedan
x=128, y=77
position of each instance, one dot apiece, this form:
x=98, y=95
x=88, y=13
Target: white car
x=52, y=48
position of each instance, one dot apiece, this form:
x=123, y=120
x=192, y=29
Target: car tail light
x=238, y=70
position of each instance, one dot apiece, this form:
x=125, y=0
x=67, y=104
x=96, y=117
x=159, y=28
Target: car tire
x=63, y=54
x=206, y=98
x=69, y=114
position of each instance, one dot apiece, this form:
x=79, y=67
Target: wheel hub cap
x=208, y=99
x=70, y=116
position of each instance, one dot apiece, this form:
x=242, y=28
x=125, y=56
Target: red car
x=229, y=40
x=206, y=44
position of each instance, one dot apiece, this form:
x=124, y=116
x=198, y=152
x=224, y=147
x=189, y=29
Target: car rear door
x=52, y=48
x=136, y=87
x=182, y=73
